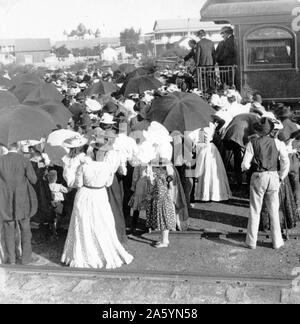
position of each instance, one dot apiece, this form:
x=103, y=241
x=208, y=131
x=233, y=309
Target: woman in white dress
x=92, y=240
x=212, y=182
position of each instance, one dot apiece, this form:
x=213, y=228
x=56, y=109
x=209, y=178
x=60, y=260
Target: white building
x=174, y=30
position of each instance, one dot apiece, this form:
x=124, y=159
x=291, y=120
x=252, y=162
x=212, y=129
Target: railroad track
x=209, y=278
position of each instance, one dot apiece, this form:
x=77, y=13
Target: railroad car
x=267, y=34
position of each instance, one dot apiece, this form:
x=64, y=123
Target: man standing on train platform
x=226, y=54
x=205, y=51
x=262, y=155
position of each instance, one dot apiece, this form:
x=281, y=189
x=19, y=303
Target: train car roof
x=248, y=11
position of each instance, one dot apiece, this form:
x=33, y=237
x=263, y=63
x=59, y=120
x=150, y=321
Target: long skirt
x=161, y=210
x=289, y=215
x=115, y=197
x=92, y=240
x=45, y=213
x=212, y=182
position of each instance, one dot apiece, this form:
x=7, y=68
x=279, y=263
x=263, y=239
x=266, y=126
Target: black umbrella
x=7, y=99
x=24, y=123
x=181, y=111
x=101, y=88
x=140, y=85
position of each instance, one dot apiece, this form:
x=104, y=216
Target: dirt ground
x=191, y=253
x=186, y=254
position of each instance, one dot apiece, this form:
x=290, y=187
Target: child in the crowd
x=57, y=191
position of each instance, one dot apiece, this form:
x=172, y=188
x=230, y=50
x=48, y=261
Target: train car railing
x=213, y=77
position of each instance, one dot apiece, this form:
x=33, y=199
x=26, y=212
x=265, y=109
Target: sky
x=49, y=18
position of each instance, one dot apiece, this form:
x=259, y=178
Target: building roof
x=28, y=44
x=88, y=43
x=245, y=10
x=32, y=45
x=178, y=25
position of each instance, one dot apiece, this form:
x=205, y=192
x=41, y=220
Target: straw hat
x=157, y=134
x=75, y=142
x=92, y=105
x=107, y=119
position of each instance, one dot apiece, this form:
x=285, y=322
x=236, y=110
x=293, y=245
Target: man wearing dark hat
x=262, y=155
x=110, y=108
x=205, y=53
x=226, y=53
x=284, y=114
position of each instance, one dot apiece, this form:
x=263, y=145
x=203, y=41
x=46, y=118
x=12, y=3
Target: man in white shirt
x=262, y=154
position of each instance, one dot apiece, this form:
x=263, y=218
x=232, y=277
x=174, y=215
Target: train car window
x=269, y=48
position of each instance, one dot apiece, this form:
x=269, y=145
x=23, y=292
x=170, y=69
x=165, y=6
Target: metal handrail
x=213, y=77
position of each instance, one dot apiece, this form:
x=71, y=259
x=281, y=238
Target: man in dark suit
x=205, y=57
x=226, y=54
x=18, y=202
x=205, y=52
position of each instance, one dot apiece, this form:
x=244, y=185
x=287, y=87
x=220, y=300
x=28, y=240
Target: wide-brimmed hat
x=226, y=30
x=92, y=105
x=107, y=119
x=264, y=127
x=75, y=142
x=157, y=134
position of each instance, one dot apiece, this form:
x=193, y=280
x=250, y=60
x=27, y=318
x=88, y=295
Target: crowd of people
x=116, y=166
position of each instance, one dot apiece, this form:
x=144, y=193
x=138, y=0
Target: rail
x=213, y=77
x=261, y=280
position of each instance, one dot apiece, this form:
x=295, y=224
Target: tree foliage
x=62, y=51
x=130, y=39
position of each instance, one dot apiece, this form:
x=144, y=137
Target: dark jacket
x=17, y=196
x=226, y=53
x=205, y=53
x=191, y=55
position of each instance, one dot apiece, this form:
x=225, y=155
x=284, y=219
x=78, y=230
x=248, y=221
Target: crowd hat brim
x=107, y=119
x=75, y=142
x=264, y=127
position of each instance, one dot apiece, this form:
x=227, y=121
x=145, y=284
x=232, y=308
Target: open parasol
x=7, y=99
x=126, y=68
x=24, y=123
x=43, y=93
x=101, y=88
x=140, y=85
x=180, y=111
x=54, y=145
x=59, y=113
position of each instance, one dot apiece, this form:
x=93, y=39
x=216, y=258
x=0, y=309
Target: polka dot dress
x=160, y=210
